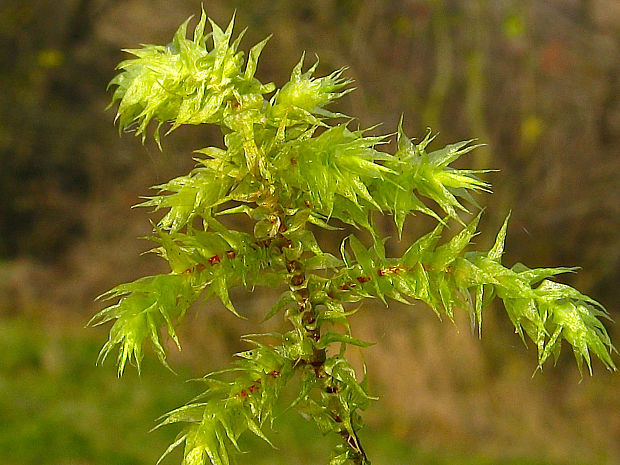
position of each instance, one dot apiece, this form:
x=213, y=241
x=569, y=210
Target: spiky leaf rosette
x=288, y=162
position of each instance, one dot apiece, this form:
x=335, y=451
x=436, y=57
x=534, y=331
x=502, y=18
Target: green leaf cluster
x=288, y=162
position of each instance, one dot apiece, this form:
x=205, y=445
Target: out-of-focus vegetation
x=56, y=409
x=538, y=81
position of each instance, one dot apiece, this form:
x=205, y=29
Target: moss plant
x=289, y=162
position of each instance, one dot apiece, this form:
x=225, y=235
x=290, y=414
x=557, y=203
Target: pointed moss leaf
x=351, y=213
x=362, y=256
x=335, y=313
x=420, y=148
x=340, y=369
x=192, y=413
x=220, y=289
x=311, y=409
x=323, y=262
x=210, y=445
x=194, y=456
x=177, y=442
x=230, y=428
x=447, y=296
x=479, y=296
x=535, y=275
x=460, y=181
x=404, y=144
x=237, y=209
x=508, y=285
x=524, y=316
x=343, y=458
x=447, y=253
x=497, y=250
x=331, y=337
x=378, y=248
x=552, y=347
x=178, y=258
x=254, y=428
x=307, y=385
x=420, y=249
x=154, y=337
x=199, y=31
x=297, y=221
x=255, y=51
x=285, y=300
x=316, y=220
x=448, y=154
x=368, y=263
x=308, y=242
x=469, y=275
x=421, y=286
x=553, y=290
x=406, y=203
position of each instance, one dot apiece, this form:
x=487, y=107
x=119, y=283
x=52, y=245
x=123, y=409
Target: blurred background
x=537, y=81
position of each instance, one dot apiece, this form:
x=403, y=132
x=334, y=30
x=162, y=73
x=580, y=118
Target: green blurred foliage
x=56, y=409
x=48, y=111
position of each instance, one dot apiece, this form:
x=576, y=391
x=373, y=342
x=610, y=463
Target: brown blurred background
x=537, y=81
